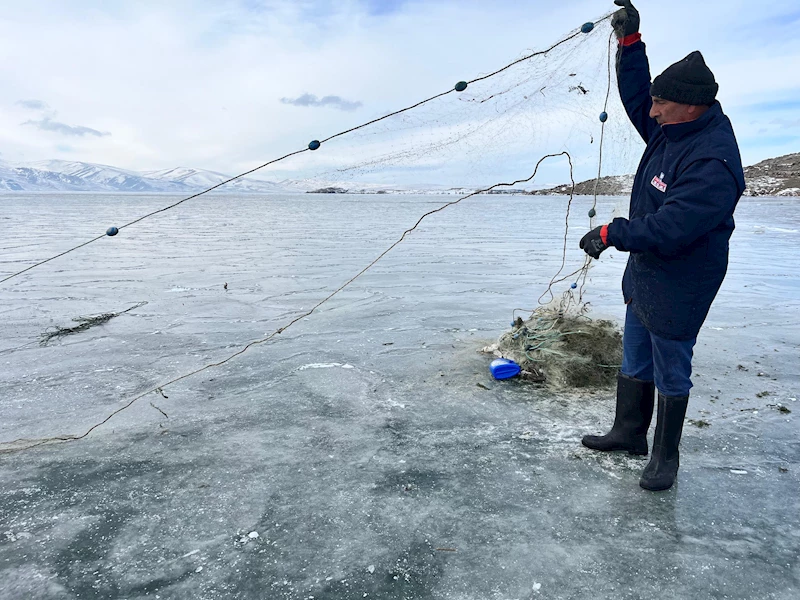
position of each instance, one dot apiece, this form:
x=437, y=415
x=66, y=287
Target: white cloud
x=47, y=124
x=310, y=100
x=33, y=104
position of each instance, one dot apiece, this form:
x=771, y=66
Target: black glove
x=626, y=20
x=592, y=243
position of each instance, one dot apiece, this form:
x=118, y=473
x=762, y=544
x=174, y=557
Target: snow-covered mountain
x=106, y=178
x=198, y=178
x=75, y=176
x=18, y=179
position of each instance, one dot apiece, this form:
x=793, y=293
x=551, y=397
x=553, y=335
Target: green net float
x=592, y=213
x=461, y=86
x=587, y=27
x=314, y=145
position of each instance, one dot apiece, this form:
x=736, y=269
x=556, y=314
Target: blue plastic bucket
x=502, y=368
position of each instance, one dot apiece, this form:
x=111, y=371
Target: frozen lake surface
x=366, y=452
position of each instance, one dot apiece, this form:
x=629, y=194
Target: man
x=681, y=218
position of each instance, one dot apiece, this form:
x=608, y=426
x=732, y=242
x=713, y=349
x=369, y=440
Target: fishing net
x=563, y=348
x=549, y=117
x=494, y=131
x=83, y=324
x=552, y=115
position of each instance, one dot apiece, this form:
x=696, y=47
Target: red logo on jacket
x=658, y=183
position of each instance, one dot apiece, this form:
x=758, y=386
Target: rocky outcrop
x=507, y=191
x=774, y=177
x=328, y=190
x=613, y=185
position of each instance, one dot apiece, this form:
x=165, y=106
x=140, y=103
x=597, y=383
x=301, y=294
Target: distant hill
x=772, y=177
x=75, y=176
x=613, y=185
x=200, y=179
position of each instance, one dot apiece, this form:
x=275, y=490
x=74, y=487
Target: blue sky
x=227, y=84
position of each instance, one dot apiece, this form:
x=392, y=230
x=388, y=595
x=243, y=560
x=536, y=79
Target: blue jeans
x=649, y=357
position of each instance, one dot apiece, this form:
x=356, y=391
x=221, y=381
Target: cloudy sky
x=228, y=84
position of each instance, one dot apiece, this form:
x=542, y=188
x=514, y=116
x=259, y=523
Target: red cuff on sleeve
x=604, y=234
x=630, y=40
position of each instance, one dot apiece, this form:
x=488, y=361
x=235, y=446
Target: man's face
x=666, y=112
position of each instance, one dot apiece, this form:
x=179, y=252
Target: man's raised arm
x=633, y=69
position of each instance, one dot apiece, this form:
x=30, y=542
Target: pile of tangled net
x=561, y=346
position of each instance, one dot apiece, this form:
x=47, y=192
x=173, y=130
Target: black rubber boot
x=662, y=469
x=635, y=399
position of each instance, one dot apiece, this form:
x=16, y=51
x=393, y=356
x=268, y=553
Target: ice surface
x=399, y=477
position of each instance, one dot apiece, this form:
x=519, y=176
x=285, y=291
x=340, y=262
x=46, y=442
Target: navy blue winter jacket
x=681, y=215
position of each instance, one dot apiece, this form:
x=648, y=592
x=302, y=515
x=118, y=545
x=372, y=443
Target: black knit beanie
x=688, y=81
